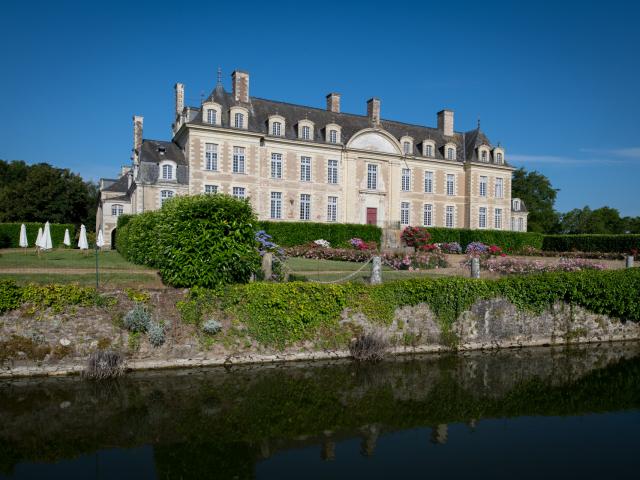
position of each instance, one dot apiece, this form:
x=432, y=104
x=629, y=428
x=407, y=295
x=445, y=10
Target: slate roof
x=152, y=152
x=523, y=207
x=260, y=109
x=119, y=185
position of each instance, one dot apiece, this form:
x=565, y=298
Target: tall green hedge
x=591, y=243
x=10, y=233
x=199, y=240
x=290, y=234
x=505, y=239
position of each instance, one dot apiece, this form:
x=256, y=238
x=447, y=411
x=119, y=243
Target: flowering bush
x=451, y=247
x=476, y=249
x=322, y=243
x=416, y=237
x=315, y=252
x=522, y=266
x=413, y=262
x=360, y=244
x=266, y=244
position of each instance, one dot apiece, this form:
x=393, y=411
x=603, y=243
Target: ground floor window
x=276, y=204
x=482, y=217
x=404, y=213
x=165, y=195
x=305, y=206
x=332, y=209
x=239, y=192
x=497, y=220
x=449, y=217
x=210, y=189
x=428, y=215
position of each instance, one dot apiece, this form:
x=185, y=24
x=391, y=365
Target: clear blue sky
x=556, y=82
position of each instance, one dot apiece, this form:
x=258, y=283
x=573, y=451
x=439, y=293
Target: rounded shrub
x=211, y=327
x=137, y=319
x=155, y=331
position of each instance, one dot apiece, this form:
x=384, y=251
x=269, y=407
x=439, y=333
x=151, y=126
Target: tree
x=539, y=196
x=600, y=220
x=40, y=193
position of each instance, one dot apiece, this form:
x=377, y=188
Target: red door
x=372, y=216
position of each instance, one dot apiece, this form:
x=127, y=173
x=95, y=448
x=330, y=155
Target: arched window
x=484, y=156
x=406, y=148
x=451, y=154
x=276, y=130
x=167, y=172
x=116, y=210
x=333, y=136
x=211, y=116
x=499, y=157
x=165, y=195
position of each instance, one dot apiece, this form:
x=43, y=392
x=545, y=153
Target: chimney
x=445, y=122
x=373, y=111
x=179, y=98
x=137, y=136
x=240, y=82
x=333, y=102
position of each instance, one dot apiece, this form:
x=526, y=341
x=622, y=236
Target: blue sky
x=557, y=83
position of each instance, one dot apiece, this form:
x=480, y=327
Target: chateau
x=300, y=163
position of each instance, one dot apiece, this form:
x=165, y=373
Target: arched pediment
x=375, y=140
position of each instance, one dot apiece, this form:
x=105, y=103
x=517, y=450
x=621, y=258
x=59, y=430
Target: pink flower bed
x=509, y=265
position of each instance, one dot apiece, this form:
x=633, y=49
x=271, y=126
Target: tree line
x=41, y=192
x=539, y=196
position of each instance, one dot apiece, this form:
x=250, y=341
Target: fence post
x=267, y=262
x=475, y=268
x=376, y=271
x=629, y=263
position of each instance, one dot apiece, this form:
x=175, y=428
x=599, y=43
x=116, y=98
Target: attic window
x=162, y=150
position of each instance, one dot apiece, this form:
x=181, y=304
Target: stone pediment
x=375, y=141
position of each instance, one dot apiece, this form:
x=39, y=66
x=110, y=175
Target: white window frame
x=499, y=187
x=306, y=132
x=450, y=184
x=239, y=160
x=276, y=165
x=117, y=210
x=212, y=116
x=450, y=214
x=166, y=195
x=333, y=136
x=406, y=180
x=332, y=171
x=276, y=205
x=305, y=169
x=406, y=147
x=428, y=150
x=239, y=192
x=482, y=217
x=332, y=209
x=482, y=185
x=210, y=189
x=521, y=224
x=211, y=156
x=238, y=120
x=497, y=218
x=428, y=181
x=484, y=156
x=404, y=213
x=499, y=158
x=427, y=215
x=167, y=171
x=451, y=153
x=372, y=176
x=276, y=128
x=305, y=206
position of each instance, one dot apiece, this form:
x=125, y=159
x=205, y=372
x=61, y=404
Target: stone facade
x=298, y=163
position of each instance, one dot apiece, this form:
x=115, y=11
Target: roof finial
x=478, y=122
x=219, y=82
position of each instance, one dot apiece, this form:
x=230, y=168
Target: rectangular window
x=428, y=151
x=211, y=116
x=305, y=169
x=482, y=217
x=211, y=155
x=497, y=219
x=276, y=165
x=451, y=154
x=483, y=186
x=372, y=176
x=167, y=172
x=239, y=192
x=116, y=210
x=520, y=223
x=428, y=182
x=306, y=132
x=450, y=184
x=238, y=159
x=428, y=215
x=210, y=189
x=238, y=120
x=499, y=187
x=332, y=171
x=406, y=179
x=165, y=195
x=406, y=148
x=404, y=213
x=305, y=206
x=332, y=209
x=276, y=204
x=449, y=217
x=333, y=136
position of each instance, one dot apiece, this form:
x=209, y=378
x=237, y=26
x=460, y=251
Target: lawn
x=107, y=279
x=64, y=258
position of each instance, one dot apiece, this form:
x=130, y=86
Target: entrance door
x=372, y=216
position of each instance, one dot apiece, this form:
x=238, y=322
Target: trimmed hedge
x=591, y=243
x=291, y=234
x=10, y=233
x=199, y=240
x=507, y=240
x=280, y=314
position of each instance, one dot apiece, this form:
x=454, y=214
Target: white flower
x=322, y=243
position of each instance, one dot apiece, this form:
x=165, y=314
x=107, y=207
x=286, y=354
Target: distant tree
x=600, y=220
x=37, y=193
x=539, y=196
x=631, y=224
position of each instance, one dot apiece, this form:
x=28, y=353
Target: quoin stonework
x=301, y=163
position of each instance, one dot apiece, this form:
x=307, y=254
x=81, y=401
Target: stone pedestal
x=475, y=268
x=629, y=263
x=376, y=271
x=267, y=263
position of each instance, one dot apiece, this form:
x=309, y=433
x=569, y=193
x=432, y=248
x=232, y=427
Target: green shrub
x=10, y=233
x=290, y=234
x=591, y=243
x=10, y=295
x=507, y=240
x=211, y=327
x=137, y=319
x=137, y=239
x=156, y=335
x=55, y=296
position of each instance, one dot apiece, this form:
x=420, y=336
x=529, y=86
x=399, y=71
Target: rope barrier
x=339, y=280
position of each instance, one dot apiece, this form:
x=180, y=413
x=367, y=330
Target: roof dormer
x=428, y=148
x=306, y=130
x=406, y=142
x=276, y=126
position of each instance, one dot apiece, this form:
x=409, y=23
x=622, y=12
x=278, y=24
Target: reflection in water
x=499, y=414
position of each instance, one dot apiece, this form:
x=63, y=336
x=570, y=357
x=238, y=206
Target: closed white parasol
x=100, y=239
x=24, y=243
x=45, y=242
x=39, y=238
x=83, y=244
x=67, y=240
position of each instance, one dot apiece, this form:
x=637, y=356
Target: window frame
x=117, y=209
x=450, y=185
x=405, y=180
x=305, y=206
x=497, y=218
x=499, y=187
x=275, y=211
x=372, y=176
x=235, y=192
x=450, y=210
x=482, y=215
x=405, y=213
x=239, y=160
x=332, y=208
x=332, y=171
x=276, y=165
x=483, y=185
x=211, y=157
x=213, y=189
x=429, y=176
x=166, y=195
x=427, y=212
x=305, y=168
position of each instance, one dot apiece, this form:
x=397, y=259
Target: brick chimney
x=137, y=136
x=445, y=122
x=240, y=81
x=179, y=98
x=333, y=102
x=373, y=111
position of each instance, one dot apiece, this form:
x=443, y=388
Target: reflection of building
x=440, y=434
x=303, y=163
x=369, y=440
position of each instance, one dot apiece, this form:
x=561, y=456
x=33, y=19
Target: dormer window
x=407, y=145
x=276, y=129
x=212, y=117
x=333, y=133
x=305, y=129
x=306, y=132
x=238, y=120
x=516, y=205
x=450, y=153
x=406, y=148
x=484, y=156
x=167, y=172
x=428, y=148
x=333, y=136
x=499, y=158
x=276, y=125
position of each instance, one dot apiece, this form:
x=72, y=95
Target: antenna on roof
x=219, y=82
x=201, y=97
